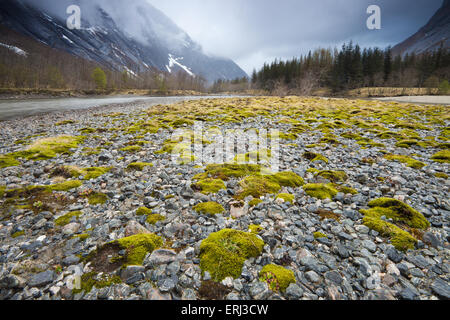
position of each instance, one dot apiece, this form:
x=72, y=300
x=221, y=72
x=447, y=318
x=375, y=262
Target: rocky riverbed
x=93, y=204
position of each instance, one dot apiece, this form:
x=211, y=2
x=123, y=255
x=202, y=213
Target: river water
x=13, y=109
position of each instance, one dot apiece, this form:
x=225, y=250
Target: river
x=13, y=109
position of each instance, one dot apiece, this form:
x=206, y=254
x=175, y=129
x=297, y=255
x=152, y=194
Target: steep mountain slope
x=134, y=37
x=430, y=37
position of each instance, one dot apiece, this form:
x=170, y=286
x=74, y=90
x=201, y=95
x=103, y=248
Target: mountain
x=130, y=36
x=430, y=37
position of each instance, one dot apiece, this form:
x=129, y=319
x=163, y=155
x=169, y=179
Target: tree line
x=352, y=67
x=42, y=67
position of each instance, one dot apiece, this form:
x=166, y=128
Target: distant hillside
x=434, y=34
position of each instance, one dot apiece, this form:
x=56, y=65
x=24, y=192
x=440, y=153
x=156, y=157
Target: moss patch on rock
x=137, y=247
x=410, y=162
x=286, y=197
x=93, y=279
x=97, y=198
x=209, y=185
x=442, y=156
x=65, y=219
x=257, y=186
x=402, y=215
x=333, y=176
x=139, y=166
x=211, y=208
x=320, y=190
x=223, y=253
x=311, y=156
x=282, y=277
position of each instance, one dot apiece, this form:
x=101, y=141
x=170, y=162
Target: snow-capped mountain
x=130, y=36
x=430, y=37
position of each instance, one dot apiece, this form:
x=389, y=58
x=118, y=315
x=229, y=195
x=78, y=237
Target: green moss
x=223, y=253
x=343, y=189
x=143, y=211
x=311, y=156
x=318, y=235
x=211, y=208
x=286, y=197
x=442, y=156
x=8, y=160
x=2, y=191
x=283, y=277
x=182, y=122
x=254, y=202
x=320, y=190
x=400, y=239
x=257, y=186
x=65, y=219
x=97, y=198
x=137, y=246
x=95, y=172
x=398, y=211
x=82, y=237
x=139, y=166
x=64, y=122
x=64, y=186
x=131, y=149
x=154, y=218
x=439, y=175
x=48, y=148
x=333, y=176
x=207, y=186
x=227, y=171
x=287, y=179
x=92, y=279
x=254, y=228
x=410, y=162
x=406, y=143
x=18, y=234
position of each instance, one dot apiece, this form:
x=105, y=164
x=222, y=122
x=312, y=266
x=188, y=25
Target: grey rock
x=441, y=288
x=294, y=292
x=42, y=279
x=159, y=257
x=259, y=291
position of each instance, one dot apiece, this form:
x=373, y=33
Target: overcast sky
x=252, y=32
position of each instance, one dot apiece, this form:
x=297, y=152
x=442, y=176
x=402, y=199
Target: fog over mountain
x=124, y=35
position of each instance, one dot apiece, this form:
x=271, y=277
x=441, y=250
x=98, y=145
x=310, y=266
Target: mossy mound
x=97, y=198
x=211, y=208
x=207, y=186
x=442, y=156
x=154, y=218
x=143, y=211
x=223, y=253
x=286, y=197
x=8, y=160
x=47, y=148
x=320, y=190
x=131, y=149
x=278, y=278
x=139, y=166
x=399, y=238
x=257, y=186
x=31, y=190
x=398, y=211
x=92, y=279
x=311, y=156
x=407, y=143
x=401, y=214
x=439, y=175
x=228, y=170
x=333, y=176
x=65, y=219
x=137, y=247
x=254, y=202
x=410, y=162
x=318, y=235
x=287, y=179
x=254, y=228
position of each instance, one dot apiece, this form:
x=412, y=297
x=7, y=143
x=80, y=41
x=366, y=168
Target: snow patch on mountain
x=18, y=51
x=173, y=61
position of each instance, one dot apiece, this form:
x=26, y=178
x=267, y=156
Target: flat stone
x=42, y=279
x=441, y=288
x=160, y=257
x=294, y=292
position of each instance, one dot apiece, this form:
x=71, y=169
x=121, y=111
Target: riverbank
x=358, y=211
